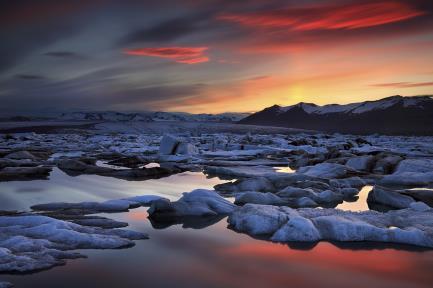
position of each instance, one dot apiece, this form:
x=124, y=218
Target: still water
x=210, y=257
x=359, y=203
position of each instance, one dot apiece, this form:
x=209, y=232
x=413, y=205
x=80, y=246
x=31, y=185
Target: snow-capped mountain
x=361, y=107
x=391, y=115
x=187, y=117
x=153, y=116
x=104, y=116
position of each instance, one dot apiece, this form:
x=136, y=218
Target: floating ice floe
x=390, y=198
x=259, y=184
x=408, y=179
x=387, y=164
x=423, y=195
x=411, y=172
x=361, y=163
x=34, y=242
x=284, y=224
x=171, y=145
x=24, y=173
x=231, y=153
x=258, y=198
x=415, y=165
x=294, y=190
x=76, y=167
x=21, y=155
x=168, y=145
x=308, y=149
x=199, y=202
x=241, y=171
x=115, y=205
x=328, y=170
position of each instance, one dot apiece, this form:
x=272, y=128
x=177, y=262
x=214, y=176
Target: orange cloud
x=185, y=55
x=352, y=16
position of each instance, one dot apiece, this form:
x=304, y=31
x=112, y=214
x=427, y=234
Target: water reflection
x=186, y=222
x=359, y=203
x=218, y=257
x=205, y=253
x=284, y=169
x=63, y=188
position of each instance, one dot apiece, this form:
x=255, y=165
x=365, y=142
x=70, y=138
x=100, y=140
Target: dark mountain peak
x=306, y=104
x=391, y=115
x=392, y=97
x=275, y=108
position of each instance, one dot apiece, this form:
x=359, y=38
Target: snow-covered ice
x=34, y=242
x=283, y=224
x=199, y=202
x=326, y=170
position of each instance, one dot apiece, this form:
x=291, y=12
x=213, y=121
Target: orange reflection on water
x=387, y=263
x=137, y=215
x=360, y=204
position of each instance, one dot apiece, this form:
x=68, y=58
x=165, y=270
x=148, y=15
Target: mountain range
x=153, y=116
x=395, y=115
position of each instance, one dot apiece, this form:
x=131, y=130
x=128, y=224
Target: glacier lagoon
x=212, y=256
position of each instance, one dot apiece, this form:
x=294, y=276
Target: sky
x=210, y=56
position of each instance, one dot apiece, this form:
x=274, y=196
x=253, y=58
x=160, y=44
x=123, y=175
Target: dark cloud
x=29, y=12
x=95, y=91
x=29, y=77
x=157, y=97
x=18, y=47
x=200, y=22
x=63, y=54
x=32, y=25
x=166, y=31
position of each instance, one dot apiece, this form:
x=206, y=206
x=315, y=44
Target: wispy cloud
x=185, y=55
x=403, y=84
x=330, y=17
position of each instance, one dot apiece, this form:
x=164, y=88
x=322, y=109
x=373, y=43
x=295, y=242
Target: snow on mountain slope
x=376, y=105
x=392, y=115
x=360, y=107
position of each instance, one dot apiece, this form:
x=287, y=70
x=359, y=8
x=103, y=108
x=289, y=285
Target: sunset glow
x=242, y=57
x=186, y=55
x=328, y=17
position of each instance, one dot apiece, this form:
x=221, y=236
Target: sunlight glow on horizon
x=200, y=58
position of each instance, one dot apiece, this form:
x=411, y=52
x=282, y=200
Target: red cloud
x=186, y=55
x=329, y=17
